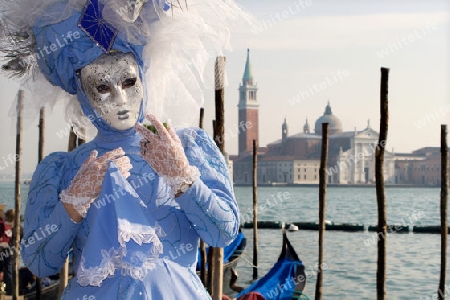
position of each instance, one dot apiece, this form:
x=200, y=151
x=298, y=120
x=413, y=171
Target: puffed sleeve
x=209, y=203
x=48, y=229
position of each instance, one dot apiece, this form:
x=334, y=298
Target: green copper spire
x=248, y=73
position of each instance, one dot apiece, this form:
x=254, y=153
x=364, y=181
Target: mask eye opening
x=103, y=89
x=129, y=82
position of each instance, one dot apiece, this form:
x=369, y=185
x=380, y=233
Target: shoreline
x=337, y=185
x=25, y=181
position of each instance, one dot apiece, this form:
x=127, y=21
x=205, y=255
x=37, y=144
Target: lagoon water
x=413, y=259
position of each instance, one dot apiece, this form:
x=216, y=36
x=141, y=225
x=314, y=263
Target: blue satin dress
x=137, y=241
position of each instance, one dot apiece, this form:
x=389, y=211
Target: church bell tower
x=248, y=110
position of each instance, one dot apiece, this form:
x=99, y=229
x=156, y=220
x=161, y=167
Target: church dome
x=335, y=124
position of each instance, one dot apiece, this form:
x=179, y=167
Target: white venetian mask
x=114, y=88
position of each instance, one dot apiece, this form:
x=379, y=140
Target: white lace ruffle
x=112, y=259
x=139, y=273
x=191, y=175
x=140, y=234
x=81, y=204
x=94, y=276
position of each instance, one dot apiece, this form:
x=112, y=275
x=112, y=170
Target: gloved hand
x=87, y=183
x=164, y=152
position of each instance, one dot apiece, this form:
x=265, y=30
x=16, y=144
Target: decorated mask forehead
x=113, y=87
x=110, y=67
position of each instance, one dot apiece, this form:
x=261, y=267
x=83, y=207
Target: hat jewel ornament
x=93, y=24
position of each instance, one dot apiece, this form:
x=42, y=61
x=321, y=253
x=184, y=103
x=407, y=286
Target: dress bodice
x=206, y=210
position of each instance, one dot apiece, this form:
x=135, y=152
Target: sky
x=304, y=54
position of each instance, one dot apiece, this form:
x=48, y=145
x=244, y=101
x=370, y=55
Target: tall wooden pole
x=444, y=211
x=16, y=254
x=41, y=134
x=219, y=129
x=379, y=177
x=74, y=142
x=40, y=158
x=81, y=141
x=255, y=209
x=211, y=266
x=202, y=117
x=202, y=243
x=322, y=206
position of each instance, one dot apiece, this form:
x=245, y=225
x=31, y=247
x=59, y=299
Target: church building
x=295, y=159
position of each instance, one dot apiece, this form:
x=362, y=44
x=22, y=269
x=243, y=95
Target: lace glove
x=87, y=183
x=164, y=152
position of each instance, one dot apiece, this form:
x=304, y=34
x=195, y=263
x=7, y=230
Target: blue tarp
x=227, y=251
x=279, y=283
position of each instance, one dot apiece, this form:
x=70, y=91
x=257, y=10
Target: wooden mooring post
x=74, y=142
x=202, y=243
x=219, y=131
x=255, y=209
x=444, y=211
x=322, y=207
x=202, y=117
x=40, y=158
x=41, y=134
x=16, y=254
x=64, y=272
x=209, y=258
x=379, y=178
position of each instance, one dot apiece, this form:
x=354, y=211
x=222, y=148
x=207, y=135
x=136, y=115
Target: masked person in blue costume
x=131, y=203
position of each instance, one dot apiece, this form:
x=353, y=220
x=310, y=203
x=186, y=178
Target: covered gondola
x=286, y=280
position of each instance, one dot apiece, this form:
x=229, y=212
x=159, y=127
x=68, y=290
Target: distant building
x=248, y=105
x=295, y=159
x=422, y=167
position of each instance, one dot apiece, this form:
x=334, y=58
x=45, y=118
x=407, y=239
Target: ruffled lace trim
x=138, y=273
x=81, y=204
x=140, y=234
x=95, y=275
x=191, y=175
x=112, y=259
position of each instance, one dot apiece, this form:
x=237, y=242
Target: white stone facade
x=357, y=164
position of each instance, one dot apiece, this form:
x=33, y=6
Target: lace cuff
x=81, y=204
x=175, y=183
